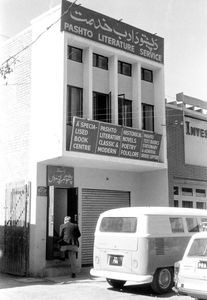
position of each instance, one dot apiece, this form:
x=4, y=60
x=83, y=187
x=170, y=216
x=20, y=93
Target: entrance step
x=54, y=271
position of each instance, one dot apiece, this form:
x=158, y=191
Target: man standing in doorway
x=69, y=232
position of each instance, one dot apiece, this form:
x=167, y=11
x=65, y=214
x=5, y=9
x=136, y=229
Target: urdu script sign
x=103, y=29
x=107, y=139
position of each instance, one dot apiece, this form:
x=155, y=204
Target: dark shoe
x=73, y=275
x=61, y=258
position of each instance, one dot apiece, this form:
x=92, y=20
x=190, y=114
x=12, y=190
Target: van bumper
x=140, y=279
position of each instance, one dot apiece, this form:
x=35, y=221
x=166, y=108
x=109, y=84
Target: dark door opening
x=62, y=202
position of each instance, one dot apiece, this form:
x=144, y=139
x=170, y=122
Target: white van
x=142, y=244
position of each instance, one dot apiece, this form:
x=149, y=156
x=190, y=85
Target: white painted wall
x=74, y=73
x=38, y=224
x=101, y=80
x=154, y=188
x=47, y=89
x=147, y=92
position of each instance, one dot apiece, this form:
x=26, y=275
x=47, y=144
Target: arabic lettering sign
x=60, y=176
x=103, y=29
x=108, y=139
x=42, y=191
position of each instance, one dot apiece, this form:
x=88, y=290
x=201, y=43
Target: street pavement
x=83, y=287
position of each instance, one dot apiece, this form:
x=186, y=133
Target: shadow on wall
x=1, y=248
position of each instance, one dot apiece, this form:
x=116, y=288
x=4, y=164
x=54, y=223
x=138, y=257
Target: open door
x=61, y=202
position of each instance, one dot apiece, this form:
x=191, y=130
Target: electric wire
x=7, y=66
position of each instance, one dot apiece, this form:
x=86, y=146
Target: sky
x=182, y=24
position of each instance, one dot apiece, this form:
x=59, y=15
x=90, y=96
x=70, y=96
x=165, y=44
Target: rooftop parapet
x=191, y=103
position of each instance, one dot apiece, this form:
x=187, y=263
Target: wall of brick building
x=176, y=154
x=15, y=112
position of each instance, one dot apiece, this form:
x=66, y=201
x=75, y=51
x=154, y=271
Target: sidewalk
x=9, y=281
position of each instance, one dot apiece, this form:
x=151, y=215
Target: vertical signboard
x=51, y=212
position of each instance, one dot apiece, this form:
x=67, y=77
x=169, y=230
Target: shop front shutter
x=94, y=202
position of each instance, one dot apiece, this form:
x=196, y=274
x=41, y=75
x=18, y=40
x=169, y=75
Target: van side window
x=118, y=224
x=192, y=224
x=176, y=225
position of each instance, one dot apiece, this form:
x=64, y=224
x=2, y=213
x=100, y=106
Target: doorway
x=62, y=202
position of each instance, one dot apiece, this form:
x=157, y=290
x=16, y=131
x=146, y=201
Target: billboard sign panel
x=195, y=133
x=94, y=26
x=113, y=140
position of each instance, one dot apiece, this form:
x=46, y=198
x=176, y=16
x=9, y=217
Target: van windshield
x=198, y=248
x=119, y=224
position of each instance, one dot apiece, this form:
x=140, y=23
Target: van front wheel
x=162, y=280
x=117, y=284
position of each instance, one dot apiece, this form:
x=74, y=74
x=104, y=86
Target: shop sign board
x=113, y=140
x=195, y=133
x=108, y=139
x=42, y=191
x=59, y=176
x=94, y=26
x=150, y=146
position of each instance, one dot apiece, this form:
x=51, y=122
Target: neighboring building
x=110, y=76
x=187, y=147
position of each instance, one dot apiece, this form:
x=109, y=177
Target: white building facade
x=97, y=137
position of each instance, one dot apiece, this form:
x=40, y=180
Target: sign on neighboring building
x=103, y=29
x=195, y=133
x=108, y=139
x=60, y=176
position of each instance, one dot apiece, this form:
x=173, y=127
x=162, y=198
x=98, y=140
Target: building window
x=102, y=107
x=74, y=103
x=125, y=112
x=176, y=190
x=200, y=193
x=147, y=75
x=124, y=68
x=188, y=204
x=147, y=117
x=75, y=54
x=100, y=61
x=176, y=203
x=187, y=191
x=201, y=205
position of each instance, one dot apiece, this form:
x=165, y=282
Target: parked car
x=190, y=273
